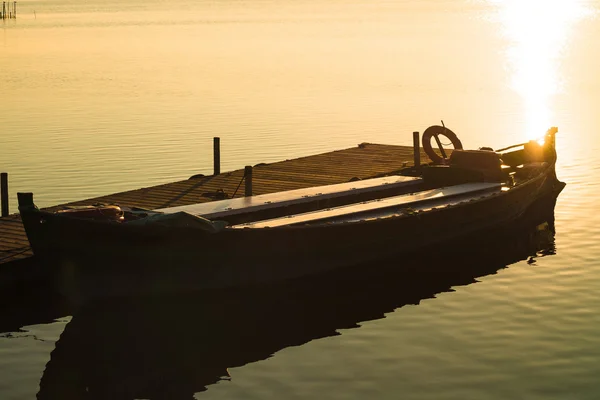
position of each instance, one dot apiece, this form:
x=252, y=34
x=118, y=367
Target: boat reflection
x=30, y=303
x=177, y=346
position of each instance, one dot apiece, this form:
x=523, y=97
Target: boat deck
x=381, y=208
x=224, y=208
x=363, y=161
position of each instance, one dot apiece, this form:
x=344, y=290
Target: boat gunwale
x=543, y=174
x=484, y=192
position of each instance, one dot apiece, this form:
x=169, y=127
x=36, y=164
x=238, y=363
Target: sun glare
x=537, y=32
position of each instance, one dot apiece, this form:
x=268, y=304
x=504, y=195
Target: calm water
x=97, y=98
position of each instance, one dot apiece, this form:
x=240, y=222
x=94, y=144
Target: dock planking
x=363, y=161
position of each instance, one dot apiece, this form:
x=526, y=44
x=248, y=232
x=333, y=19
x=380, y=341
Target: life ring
x=436, y=130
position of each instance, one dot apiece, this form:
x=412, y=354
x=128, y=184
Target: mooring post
x=417, y=150
x=15, y=9
x=4, y=193
x=248, y=179
x=217, y=155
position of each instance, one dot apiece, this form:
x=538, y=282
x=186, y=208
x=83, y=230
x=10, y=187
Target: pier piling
x=217, y=155
x=417, y=150
x=9, y=10
x=4, y=193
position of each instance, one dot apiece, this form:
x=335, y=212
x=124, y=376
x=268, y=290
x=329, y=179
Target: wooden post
x=217, y=155
x=417, y=150
x=4, y=193
x=248, y=178
x=15, y=9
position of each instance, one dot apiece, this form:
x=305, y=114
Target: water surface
x=98, y=98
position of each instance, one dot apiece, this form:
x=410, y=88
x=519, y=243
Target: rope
x=14, y=255
x=239, y=184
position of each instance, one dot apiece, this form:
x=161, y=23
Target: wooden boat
x=112, y=250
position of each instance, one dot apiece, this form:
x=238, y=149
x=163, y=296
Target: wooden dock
x=363, y=161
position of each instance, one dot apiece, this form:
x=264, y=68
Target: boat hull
x=91, y=259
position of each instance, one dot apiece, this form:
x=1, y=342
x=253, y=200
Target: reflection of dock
x=363, y=161
x=9, y=10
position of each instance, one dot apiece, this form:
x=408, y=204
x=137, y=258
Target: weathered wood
x=366, y=161
x=4, y=193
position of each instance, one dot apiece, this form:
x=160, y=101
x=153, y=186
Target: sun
x=537, y=33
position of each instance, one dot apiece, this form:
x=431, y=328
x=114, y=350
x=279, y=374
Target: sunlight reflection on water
x=538, y=33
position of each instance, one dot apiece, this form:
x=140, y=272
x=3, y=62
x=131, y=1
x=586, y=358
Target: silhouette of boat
x=175, y=346
x=110, y=251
